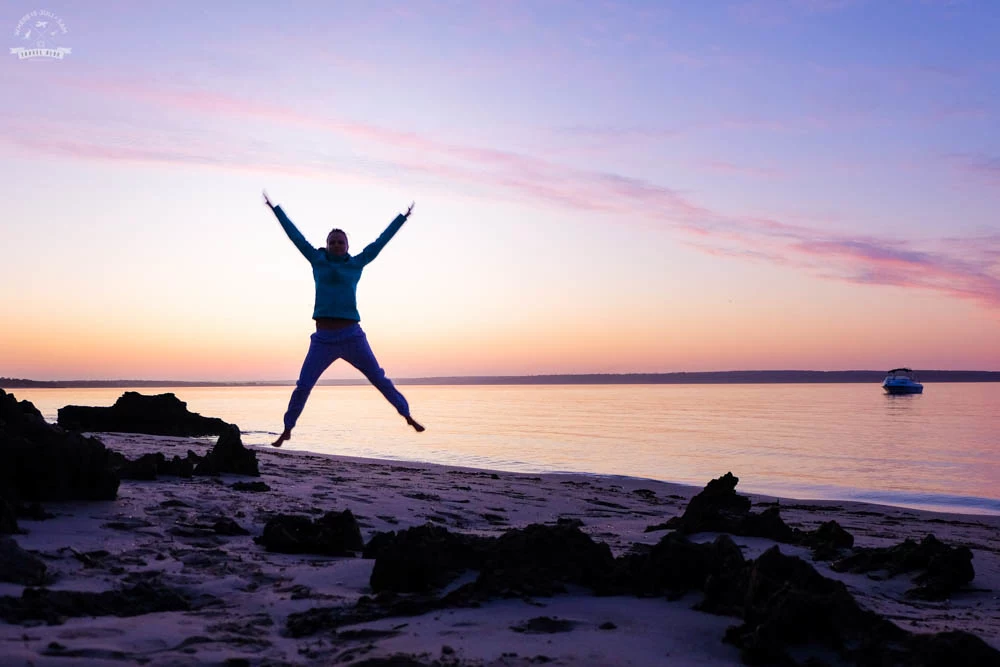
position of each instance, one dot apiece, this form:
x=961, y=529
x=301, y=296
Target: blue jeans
x=351, y=345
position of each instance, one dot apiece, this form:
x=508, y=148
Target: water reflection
x=795, y=440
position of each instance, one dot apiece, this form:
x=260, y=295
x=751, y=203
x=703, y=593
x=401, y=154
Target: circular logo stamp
x=41, y=34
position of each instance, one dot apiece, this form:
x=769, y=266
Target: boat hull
x=914, y=388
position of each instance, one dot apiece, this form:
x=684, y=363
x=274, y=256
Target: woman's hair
x=335, y=231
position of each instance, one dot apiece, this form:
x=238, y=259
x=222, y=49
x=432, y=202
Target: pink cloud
x=723, y=166
x=872, y=261
x=954, y=267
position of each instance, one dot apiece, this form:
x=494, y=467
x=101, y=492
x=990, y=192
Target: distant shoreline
x=708, y=377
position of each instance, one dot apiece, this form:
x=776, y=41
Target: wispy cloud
x=723, y=166
x=873, y=261
x=978, y=165
x=961, y=268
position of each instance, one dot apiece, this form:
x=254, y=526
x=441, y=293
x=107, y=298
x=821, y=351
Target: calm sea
x=939, y=450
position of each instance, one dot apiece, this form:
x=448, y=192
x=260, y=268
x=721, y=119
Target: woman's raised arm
x=308, y=251
x=372, y=250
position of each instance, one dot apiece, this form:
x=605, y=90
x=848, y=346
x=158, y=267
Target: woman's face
x=336, y=243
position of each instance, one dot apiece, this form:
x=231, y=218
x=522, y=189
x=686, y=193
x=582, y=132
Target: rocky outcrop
x=8, y=518
x=422, y=558
x=943, y=568
x=333, y=534
x=794, y=616
x=535, y=560
x=229, y=456
x=718, y=508
x=17, y=566
x=161, y=414
x=39, y=461
x=150, y=466
x=676, y=566
x=789, y=613
x=53, y=607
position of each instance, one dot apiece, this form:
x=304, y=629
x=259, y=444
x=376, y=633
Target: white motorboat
x=902, y=381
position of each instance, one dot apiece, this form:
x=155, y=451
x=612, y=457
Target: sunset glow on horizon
x=634, y=187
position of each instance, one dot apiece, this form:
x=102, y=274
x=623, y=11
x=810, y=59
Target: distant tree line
x=708, y=377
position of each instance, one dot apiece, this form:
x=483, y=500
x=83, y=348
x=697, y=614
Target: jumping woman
x=338, y=329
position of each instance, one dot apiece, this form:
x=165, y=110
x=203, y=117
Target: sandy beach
x=245, y=604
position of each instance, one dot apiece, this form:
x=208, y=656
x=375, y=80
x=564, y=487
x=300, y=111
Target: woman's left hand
x=409, y=210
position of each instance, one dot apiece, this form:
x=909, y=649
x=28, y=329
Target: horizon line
x=671, y=377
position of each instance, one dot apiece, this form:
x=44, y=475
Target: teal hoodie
x=337, y=277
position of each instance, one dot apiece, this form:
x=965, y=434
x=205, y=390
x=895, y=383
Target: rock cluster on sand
x=228, y=455
x=162, y=414
x=333, y=534
x=39, y=461
x=42, y=604
x=786, y=606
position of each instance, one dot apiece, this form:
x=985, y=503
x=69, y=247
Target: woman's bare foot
x=285, y=435
x=412, y=422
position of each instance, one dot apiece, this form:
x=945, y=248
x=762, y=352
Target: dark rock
x=39, y=461
x=544, y=625
x=658, y=527
x=32, y=512
x=333, y=534
x=229, y=527
x=788, y=603
x=535, y=560
x=828, y=540
x=398, y=660
x=229, y=456
x=946, y=572
x=792, y=609
x=422, y=558
x=52, y=607
x=718, y=508
x=945, y=568
x=770, y=525
x=321, y=619
x=150, y=466
x=8, y=519
x=677, y=565
x=161, y=414
x=539, y=559
x=253, y=487
x=143, y=468
x=945, y=649
x=17, y=566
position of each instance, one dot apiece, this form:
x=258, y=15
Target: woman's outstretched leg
x=318, y=359
x=358, y=353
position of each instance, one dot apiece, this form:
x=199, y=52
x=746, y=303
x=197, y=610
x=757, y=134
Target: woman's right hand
x=267, y=200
